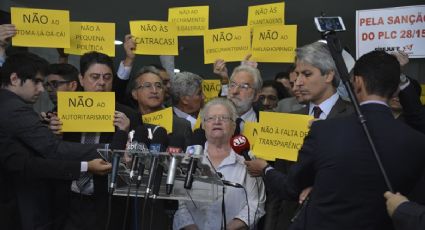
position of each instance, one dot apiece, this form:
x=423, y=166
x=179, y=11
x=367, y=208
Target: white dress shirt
x=186, y=116
x=248, y=116
x=326, y=106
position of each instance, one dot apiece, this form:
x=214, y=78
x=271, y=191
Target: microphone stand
x=336, y=52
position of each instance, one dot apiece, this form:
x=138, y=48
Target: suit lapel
x=339, y=108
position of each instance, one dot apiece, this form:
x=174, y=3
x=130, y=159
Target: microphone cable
x=127, y=203
x=108, y=219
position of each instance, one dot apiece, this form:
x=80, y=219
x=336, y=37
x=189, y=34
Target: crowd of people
x=57, y=180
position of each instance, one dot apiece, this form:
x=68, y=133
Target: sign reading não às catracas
x=40, y=27
x=155, y=37
x=86, y=111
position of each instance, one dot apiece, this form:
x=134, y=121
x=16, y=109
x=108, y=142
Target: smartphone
x=329, y=24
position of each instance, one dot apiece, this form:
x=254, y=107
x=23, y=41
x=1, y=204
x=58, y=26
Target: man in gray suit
x=316, y=87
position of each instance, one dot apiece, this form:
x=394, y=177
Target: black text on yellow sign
x=86, y=111
x=274, y=43
x=40, y=27
x=155, y=37
x=230, y=44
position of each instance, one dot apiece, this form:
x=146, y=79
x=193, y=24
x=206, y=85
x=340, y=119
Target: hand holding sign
x=6, y=32
x=129, y=48
x=121, y=121
x=251, y=63
x=220, y=69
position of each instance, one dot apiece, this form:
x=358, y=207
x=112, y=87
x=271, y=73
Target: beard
x=242, y=105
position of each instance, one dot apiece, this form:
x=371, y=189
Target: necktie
x=316, y=112
x=238, y=126
x=84, y=181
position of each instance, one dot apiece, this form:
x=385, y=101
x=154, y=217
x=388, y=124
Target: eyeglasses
x=242, y=86
x=55, y=84
x=221, y=118
x=150, y=86
x=268, y=97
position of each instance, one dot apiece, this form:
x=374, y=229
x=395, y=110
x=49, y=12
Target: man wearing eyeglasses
x=148, y=90
x=61, y=77
x=244, y=87
x=86, y=199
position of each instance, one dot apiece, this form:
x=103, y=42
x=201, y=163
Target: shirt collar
x=326, y=106
x=249, y=115
x=374, y=102
x=229, y=160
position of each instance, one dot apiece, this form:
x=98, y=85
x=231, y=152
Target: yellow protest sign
x=92, y=36
x=211, y=89
x=40, y=27
x=250, y=131
x=283, y=139
x=86, y=111
x=230, y=44
x=197, y=123
x=267, y=14
x=162, y=118
x=155, y=37
x=275, y=43
x=190, y=21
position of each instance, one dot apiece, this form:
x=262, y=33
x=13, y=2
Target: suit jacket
x=101, y=182
x=348, y=187
x=181, y=130
x=413, y=110
x=409, y=216
x=340, y=109
x=30, y=154
x=288, y=105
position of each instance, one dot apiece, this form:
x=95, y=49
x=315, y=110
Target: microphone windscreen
x=160, y=137
x=239, y=144
x=141, y=134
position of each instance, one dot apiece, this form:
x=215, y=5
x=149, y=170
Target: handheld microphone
x=158, y=144
x=240, y=145
x=115, y=166
x=175, y=146
x=138, y=144
x=194, y=150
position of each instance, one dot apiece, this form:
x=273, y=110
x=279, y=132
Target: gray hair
x=220, y=101
x=254, y=72
x=132, y=84
x=318, y=55
x=184, y=84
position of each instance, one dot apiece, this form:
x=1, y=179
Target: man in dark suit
x=148, y=91
x=88, y=196
x=316, y=87
x=30, y=152
x=336, y=158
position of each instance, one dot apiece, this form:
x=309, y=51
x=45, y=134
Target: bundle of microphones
x=146, y=151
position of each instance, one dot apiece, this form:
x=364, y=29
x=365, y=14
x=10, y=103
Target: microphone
x=240, y=145
x=175, y=146
x=196, y=149
x=137, y=144
x=158, y=144
x=115, y=166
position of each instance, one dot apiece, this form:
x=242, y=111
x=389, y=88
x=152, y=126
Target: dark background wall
x=223, y=13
